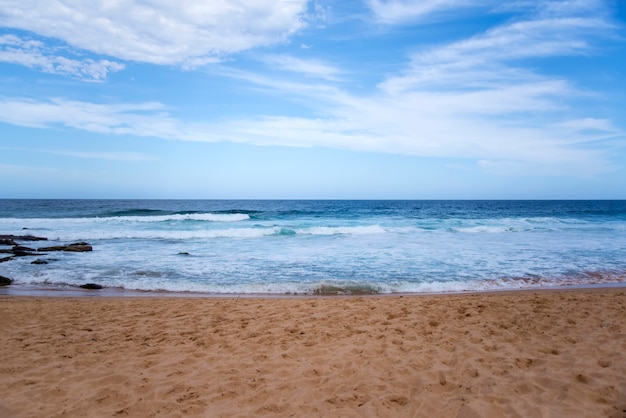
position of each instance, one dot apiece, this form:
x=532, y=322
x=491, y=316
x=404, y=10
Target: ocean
x=281, y=247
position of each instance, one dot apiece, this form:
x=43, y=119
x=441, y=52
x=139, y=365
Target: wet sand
x=515, y=354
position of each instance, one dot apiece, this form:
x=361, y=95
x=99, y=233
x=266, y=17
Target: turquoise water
x=287, y=247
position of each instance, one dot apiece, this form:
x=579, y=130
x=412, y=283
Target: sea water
x=306, y=247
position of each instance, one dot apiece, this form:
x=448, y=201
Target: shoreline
x=537, y=352
x=76, y=292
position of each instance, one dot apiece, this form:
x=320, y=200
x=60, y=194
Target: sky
x=317, y=99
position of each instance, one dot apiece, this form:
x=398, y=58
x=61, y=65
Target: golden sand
x=515, y=354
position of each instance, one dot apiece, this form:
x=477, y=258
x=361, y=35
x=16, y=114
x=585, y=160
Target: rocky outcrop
x=77, y=247
x=21, y=251
x=91, y=286
x=18, y=250
x=11, y=239
x=7, y=241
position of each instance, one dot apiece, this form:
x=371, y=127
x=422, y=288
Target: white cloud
x=99, y=118
x=590, y=124
x=312, y=68
x=401, y=11
x=416, y=126
x=34, y=54
x=102, y=155
x=378, y=127
x=97, y=155
x=185, y=32
x=476, y=98
x=394, y=12
x=485, y=60
x=582, y=8
x=23, y=170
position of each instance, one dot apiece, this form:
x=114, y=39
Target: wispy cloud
x=402, y=11
x=24, y=170
x=188, y=32
x=413, y=126
x=312, y=68
x=93, y=155
x=149, y=119
x=36, y=55
x=495, y=58
x=113, y=156
x=143, y=119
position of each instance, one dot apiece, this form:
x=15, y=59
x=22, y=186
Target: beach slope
x=532, y=353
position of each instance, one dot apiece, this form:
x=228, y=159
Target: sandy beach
x=516, y=354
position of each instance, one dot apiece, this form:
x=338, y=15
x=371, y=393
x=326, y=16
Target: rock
x=7, y=241
x=2, y=260
x=183, y=253
x=13, y=239
x=24, y=253
x=21, y=248
x=20, y=238
x=91, y=286
x=29, y=238
x=77, y=247
x=53, y=248
x=5, y=281
x=39, y=261
x=21, y=251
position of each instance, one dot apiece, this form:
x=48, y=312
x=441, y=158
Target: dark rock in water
x=21, y=248
x=29, y=238
x=53, y=248
x=2, y=260
x=91, y=286
x=5, y=281
x=21, y=238
x=13, y=239
x=21, y=251
x=24, y=253
x=183, y=253
x=77, y=247
x=18, y=250
x=7, y=241
x=39, y=261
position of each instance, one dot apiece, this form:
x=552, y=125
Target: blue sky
x=399, y=99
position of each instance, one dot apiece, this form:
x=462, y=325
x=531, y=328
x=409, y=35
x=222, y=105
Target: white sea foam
x=508, y=225
x=162, y=234
x=341, y=230
x=68, y=233
x=484, y=229
x=207, y=217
